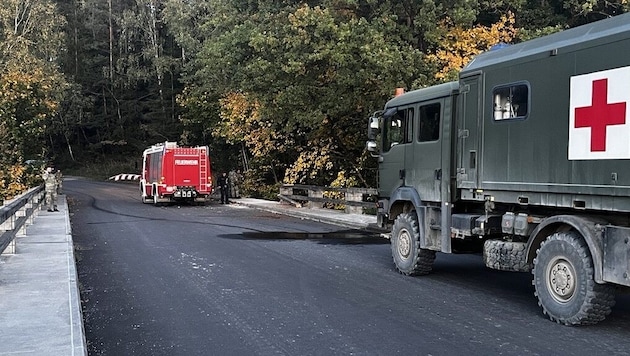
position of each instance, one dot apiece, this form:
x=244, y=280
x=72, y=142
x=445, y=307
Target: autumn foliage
x=279, y=88
x=241, y=122
x=30, y=88
x=458, y=45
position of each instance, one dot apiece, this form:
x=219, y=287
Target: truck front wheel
x=409, y=258
x=564, y=284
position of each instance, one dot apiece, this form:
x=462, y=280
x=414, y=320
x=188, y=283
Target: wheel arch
x=407, y=200
x=588, y=228
x=404, y=199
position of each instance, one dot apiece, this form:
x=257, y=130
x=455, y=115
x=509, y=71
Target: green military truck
x=526, y=158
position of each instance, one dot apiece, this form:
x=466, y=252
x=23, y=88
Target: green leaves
x=309, y=70
x=31, y=86
x=286, y=83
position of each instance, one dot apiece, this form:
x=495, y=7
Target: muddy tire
x=409, y=258
x=506, y=256
x=564, y=284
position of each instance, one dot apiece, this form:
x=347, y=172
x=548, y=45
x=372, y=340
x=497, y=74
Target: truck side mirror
x=371, y=146
x=373, y=128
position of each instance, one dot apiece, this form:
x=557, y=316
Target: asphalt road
x=230, y=280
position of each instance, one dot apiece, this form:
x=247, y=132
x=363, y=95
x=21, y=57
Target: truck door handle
x=438, y=174
x=401, y=174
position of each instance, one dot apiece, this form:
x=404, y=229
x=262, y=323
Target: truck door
x=396, y=139
x=424, y=160
x=468, y=132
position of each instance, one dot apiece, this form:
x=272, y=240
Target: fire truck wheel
x=409, y=258
x=506, y=256
x=563, y=281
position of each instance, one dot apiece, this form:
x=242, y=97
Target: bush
x=255, y=187
x=17, y=179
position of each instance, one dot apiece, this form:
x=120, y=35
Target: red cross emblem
x=600, y=115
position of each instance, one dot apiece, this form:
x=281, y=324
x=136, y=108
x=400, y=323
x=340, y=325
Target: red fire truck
x=172, y=173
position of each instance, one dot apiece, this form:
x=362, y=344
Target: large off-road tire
x=506, y=256
x=564, y=284
x=409, y=258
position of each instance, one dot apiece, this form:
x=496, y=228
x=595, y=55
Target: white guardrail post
x=16, y=215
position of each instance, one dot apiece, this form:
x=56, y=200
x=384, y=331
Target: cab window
x=398, y=129
x=429, y=122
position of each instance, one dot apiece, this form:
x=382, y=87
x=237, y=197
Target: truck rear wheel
x=564, y=284
x=409, y=258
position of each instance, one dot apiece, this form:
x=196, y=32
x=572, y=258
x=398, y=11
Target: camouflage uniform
x=50, y=184
x=238, y=180
x=59, y=179
x=232, y=183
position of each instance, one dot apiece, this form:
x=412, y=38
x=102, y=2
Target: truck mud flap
x=432, y=232
x=617, y=255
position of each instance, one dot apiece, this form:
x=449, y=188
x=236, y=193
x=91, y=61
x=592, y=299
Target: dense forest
x=278, y=88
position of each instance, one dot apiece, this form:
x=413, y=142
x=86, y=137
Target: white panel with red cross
x=599, y=117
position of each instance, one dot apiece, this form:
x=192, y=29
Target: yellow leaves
x=344, y=181
x=13, y=181
x=24, y=104
x=459, y=45
x=241, y=122
x=30, y=92
x=311, y=163
x=31, y=80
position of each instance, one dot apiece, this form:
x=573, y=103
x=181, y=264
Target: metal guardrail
x=353, y=200
x=16, y=215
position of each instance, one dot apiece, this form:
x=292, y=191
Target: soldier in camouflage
x=59, y=179
x=50, y=185
x=236, y=179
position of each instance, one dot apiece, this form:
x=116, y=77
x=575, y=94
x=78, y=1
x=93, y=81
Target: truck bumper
x=202, y=198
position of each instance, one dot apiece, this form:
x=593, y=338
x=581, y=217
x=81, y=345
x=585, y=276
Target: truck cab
x=414, y=148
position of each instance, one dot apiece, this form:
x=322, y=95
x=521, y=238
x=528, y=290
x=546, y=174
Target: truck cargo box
x=553, y=125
